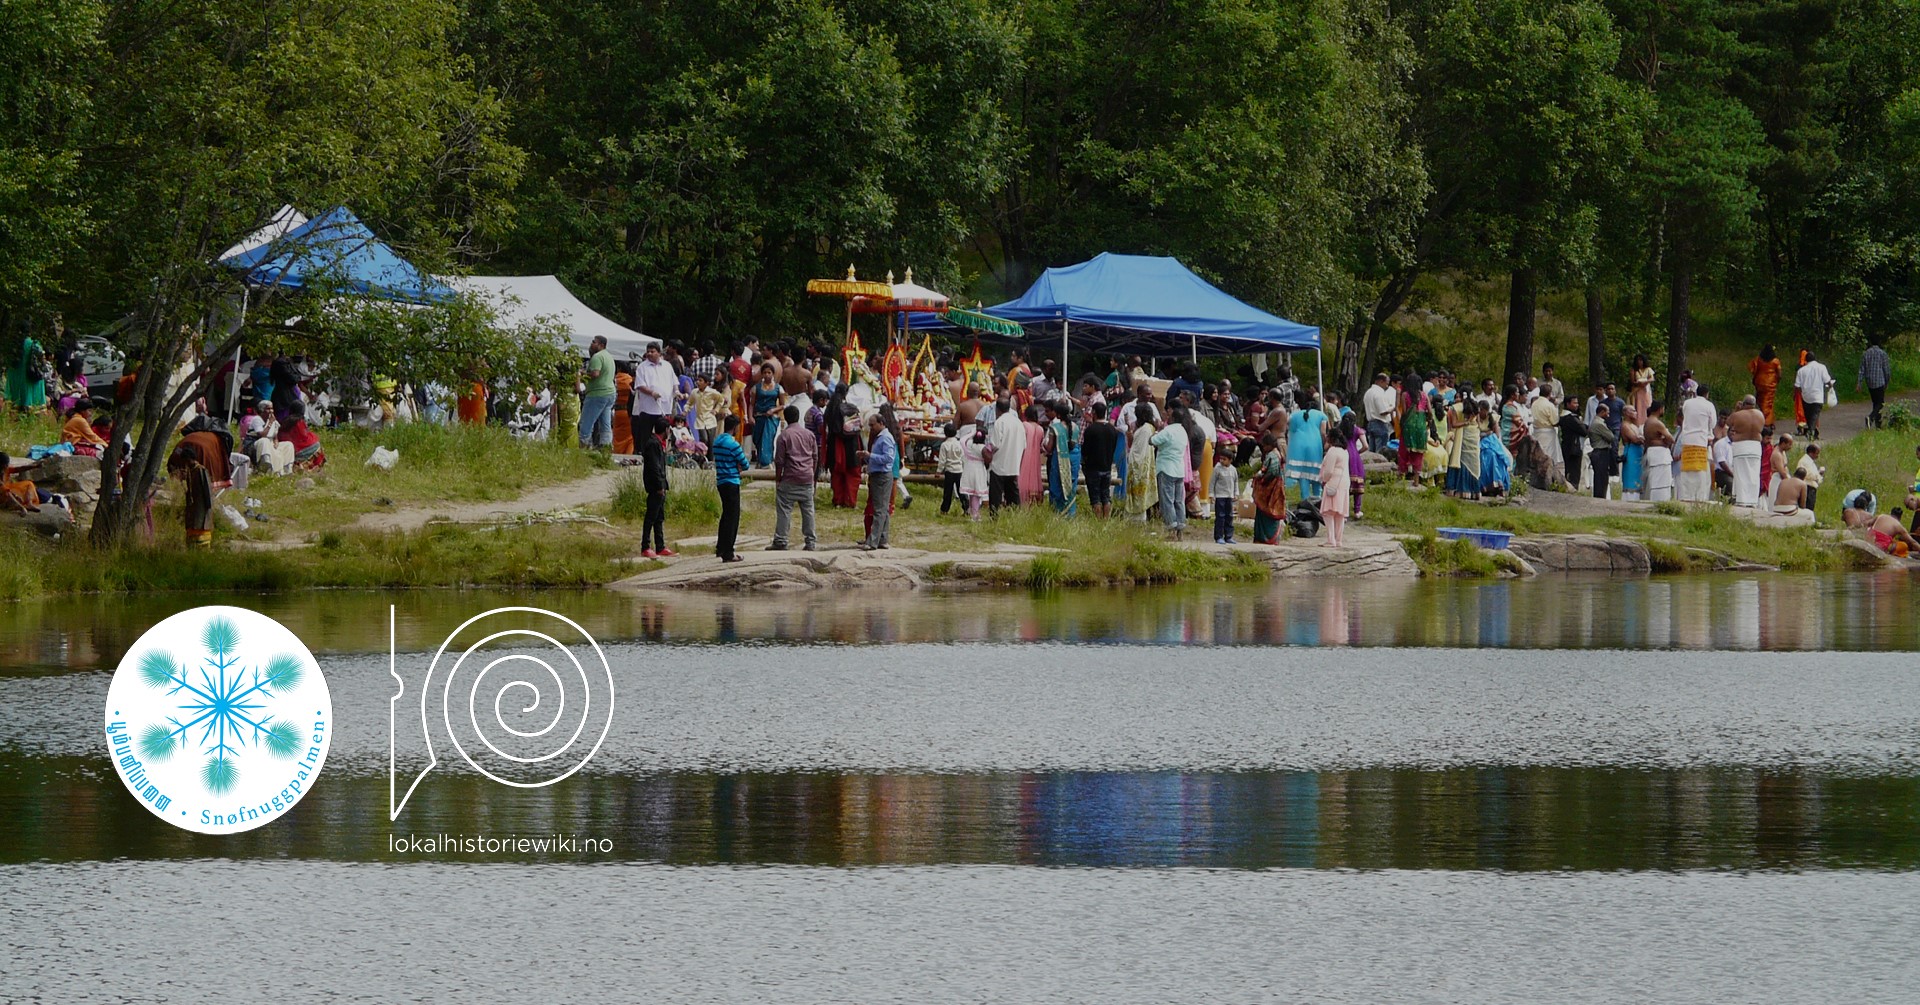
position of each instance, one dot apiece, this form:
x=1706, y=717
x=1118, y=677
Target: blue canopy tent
x=1148, y=305
x=338, y=253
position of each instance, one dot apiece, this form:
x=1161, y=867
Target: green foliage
x=630, y=499
x=693, y=166
x=1437, y=557
x=693, y=500
x=1259, y=142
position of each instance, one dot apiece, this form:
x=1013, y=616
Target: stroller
x=1303, y=519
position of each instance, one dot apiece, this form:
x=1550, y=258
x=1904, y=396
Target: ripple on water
x=276, y=930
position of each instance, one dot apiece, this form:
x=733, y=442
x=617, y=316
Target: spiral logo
x=524, y=695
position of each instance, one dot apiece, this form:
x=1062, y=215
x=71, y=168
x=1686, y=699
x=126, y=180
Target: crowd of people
x=1173, y=450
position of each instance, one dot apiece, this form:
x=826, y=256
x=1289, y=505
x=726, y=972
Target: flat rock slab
x=830, y=569
x=1582, y=553
x=1362, y=555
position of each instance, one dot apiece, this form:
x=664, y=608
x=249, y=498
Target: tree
x=1519, y=103
x=45, y=47
x=1703, y=150
x=693, y=166
x=202, y=118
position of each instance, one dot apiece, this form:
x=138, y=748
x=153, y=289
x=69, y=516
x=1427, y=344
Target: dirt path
x=595, y=488
x=1844, y=421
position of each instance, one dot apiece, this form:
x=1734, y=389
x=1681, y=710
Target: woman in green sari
x=1141, y=490
x=27, y=377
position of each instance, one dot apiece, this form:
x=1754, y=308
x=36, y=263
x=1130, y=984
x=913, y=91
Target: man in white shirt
x=1008, y=438
x=1550, y=385
x=1697, y=419
x=1812, y=381
x=653, y=386
x=1378, y=403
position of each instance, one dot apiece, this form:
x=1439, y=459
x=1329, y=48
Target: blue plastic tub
x=1493, y=540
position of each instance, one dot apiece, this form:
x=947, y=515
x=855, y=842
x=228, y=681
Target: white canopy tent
x=283, y=221
x=524, y=299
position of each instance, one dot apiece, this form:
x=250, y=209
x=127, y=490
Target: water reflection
x=1517, y=819
x=1743, y=612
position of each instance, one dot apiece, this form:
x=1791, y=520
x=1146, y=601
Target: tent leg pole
x=1194, y=347
x=1066, y=354
x=1320, y=374
x=233, y=389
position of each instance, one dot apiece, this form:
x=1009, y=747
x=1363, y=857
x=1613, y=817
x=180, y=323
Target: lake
x=1675, y=789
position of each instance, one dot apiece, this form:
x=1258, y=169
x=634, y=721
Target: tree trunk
x=631, y=290
x=1679, y=309
x=1392, y=297
x=1596, y=337
x=1522, y=292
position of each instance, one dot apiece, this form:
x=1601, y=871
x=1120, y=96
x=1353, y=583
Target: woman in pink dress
x=1336, y=490
x=1033, y=470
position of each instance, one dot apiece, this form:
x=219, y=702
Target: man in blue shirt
x=879, y=457
x=728, y=459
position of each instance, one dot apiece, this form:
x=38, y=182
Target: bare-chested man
x=1659, y=458
x=1777, y=467
x=1745, y=428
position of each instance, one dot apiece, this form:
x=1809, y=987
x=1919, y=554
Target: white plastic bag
x=383, y=458
x=1833, y=396
x=234, y=519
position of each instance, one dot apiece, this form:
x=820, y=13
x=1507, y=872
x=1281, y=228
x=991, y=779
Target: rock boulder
x=1582, y=553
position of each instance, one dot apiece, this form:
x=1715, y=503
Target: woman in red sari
x=843, y=450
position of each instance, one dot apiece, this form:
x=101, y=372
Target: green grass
x=1675, y=542
x=1878, y=460
x=18, y=430
x=437, y=556
x=1102, y=552
x=1437, y=557
x=437, y=464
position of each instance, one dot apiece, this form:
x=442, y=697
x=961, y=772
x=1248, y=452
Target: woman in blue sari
x=1496, y=465
x=1306, y=447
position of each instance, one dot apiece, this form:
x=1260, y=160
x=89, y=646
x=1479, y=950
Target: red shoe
x=666, y=553
x=649, y=553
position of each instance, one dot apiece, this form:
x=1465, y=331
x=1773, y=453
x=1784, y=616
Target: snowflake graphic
x=222, y=706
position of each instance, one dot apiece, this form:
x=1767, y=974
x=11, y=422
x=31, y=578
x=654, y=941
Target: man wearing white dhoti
x=1744, y=429
x=1697, y=419
x=1659, y=465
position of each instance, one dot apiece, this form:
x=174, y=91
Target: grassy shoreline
x=310, y=541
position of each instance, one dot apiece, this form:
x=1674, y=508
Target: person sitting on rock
x=18, y=494
x=78, y=431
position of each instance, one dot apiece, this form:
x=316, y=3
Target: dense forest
x=687, y=166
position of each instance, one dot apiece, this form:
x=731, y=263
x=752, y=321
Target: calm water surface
x=1678, y=789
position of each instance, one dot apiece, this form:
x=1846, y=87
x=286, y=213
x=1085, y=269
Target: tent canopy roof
x=284, y=220
x=337, y=252
x=1145, y=304
x=520, y=300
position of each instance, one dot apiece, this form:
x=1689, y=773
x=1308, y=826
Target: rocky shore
x=906, y=568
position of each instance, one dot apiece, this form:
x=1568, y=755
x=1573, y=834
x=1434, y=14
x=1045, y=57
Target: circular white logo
x=218, y=720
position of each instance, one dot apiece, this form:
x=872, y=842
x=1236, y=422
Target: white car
x=101, y=362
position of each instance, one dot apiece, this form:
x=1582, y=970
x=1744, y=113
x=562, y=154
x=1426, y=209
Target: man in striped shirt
x=1876, y=372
